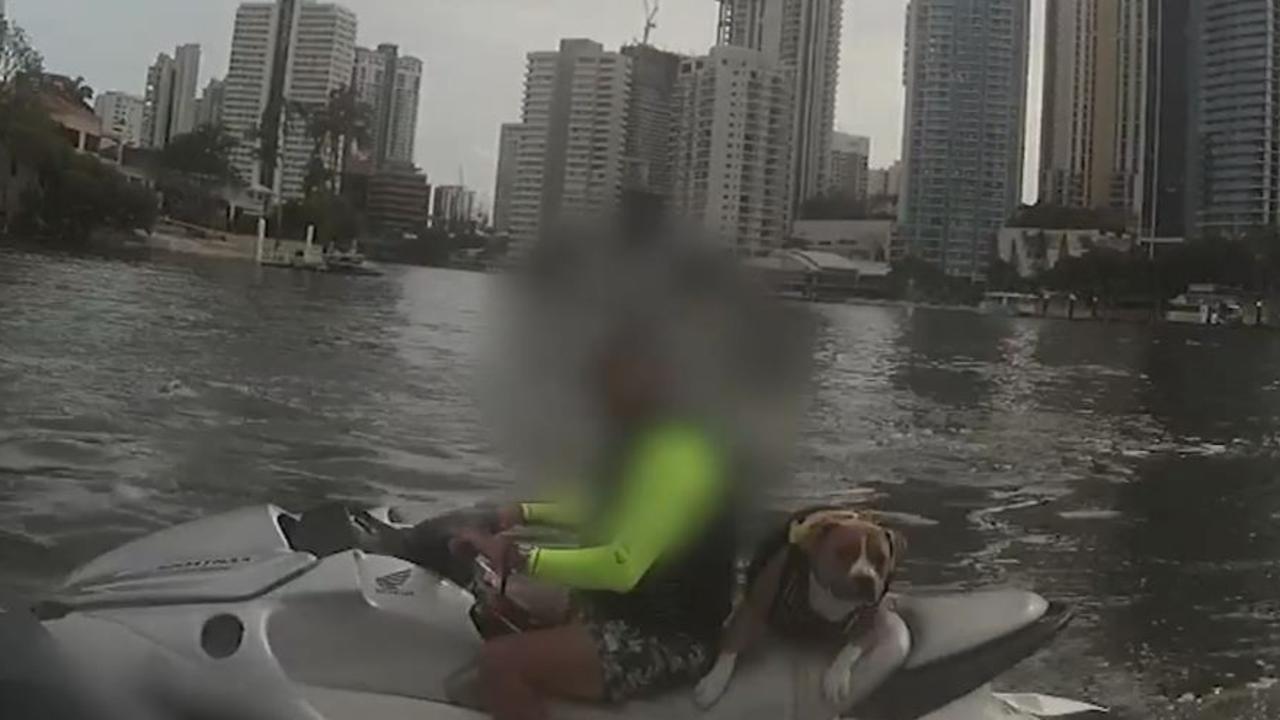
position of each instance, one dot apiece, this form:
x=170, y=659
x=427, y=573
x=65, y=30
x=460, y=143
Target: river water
x=1127, y=469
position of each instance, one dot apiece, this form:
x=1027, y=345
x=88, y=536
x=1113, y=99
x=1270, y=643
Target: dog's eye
x=876, y=553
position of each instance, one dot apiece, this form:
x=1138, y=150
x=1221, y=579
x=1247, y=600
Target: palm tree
x=334, y=126
x=352, y=119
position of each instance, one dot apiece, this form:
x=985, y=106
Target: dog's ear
x=807, y=533
x=807, y=530
x=897, y=541
x=897, y=544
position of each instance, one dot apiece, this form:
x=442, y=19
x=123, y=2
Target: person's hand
x=499, y=550
x=509, y=516
x=469, y=540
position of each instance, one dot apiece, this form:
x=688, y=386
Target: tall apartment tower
x=1079, y=119
x=569, y=163
x=391, y=84
x=209, y=106
x=966, y=90
x=452, y=205
x=847, y=166
x=509, y=139
x=171, y=96
x=803, y=36
x=121, y=115
x=1155, y=166
x=651, y=119
x=1116, y=128
x=1237, y=96
x=249, y=75
x=286, y=53
x=884, y=182
x=733, y=150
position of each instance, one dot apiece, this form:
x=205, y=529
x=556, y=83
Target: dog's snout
x=864, y=587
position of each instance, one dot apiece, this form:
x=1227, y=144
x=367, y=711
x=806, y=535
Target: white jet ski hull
x=241, y=616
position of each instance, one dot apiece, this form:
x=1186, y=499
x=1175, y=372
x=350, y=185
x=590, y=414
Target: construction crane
x=650, y=19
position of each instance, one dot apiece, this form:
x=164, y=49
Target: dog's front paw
x=714, y=684
x=837, y=681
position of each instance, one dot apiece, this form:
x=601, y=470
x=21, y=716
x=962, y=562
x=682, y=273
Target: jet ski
x=339, y=614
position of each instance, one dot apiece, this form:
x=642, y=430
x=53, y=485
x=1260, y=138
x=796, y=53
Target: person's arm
x=565, y=513
x=672, y=487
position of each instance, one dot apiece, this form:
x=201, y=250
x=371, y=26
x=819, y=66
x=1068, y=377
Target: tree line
x=1249, y=262
x=65, y=195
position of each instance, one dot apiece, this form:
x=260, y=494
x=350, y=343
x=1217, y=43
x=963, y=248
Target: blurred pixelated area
x=731, y=355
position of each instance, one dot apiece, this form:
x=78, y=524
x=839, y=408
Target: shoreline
x=171, y=238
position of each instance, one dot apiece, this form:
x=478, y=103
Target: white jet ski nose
x=1047, y=706
x=958, y=644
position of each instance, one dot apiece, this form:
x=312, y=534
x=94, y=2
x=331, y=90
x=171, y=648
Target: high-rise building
x=509, y=140
x=885, y=182
x=391, y=84
x=651, y=119
x=158, y=106
x=1237, y=93
x=284, y=55
x=569, y=162
x=1118, y=99
x=966, y=87
x=397, y=198
x=847, y=166
x=171, y=96
x=1133, y=69
x=185, y=85
x=249, y=76
x=804, y=37
x=404, y=121
x=452, y=205
x=733, y=150
x=209, y=106
x=121, y=115
x=1079, y=119
x=1156, y=157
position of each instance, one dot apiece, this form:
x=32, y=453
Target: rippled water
x=1130, y=470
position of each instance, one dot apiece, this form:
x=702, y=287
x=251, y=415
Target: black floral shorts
x=641, y=662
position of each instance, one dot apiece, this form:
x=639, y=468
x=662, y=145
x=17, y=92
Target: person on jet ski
x=653, y=577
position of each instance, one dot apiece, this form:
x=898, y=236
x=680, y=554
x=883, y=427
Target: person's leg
x=638, y=662
x=519, y=672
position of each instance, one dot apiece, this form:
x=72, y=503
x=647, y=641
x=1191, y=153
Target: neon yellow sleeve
x=557, y=514
x=672, y=487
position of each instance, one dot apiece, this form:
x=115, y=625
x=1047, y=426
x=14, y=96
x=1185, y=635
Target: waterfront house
x=867, y=239
x=82, y=127
x=818, y=275
x=1036, y=250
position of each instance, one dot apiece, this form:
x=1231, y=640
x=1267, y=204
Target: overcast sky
x=474, y=53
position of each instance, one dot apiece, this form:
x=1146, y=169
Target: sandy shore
x=221, y=245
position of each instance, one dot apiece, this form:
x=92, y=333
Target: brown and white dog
x=822, y=579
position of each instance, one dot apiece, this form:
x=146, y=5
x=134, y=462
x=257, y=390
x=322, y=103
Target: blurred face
x=628, y=386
